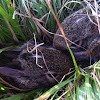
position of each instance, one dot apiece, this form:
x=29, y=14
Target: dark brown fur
x=32, y=76
x=81, y=31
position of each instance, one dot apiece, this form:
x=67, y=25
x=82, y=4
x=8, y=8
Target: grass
x=23, y=18
x=19, y=21
x=9, y=28
x=88, y=89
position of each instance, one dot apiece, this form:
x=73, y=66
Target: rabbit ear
x=9, y=57
x=12, y=53
x=14, y=74
x=15, y=77
x=83, y=55
x=9, y=72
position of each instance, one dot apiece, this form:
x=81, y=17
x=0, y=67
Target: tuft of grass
x=87, y=88
x=54, y=90
x=9, y=28
x=20, y=19
x=26, y=96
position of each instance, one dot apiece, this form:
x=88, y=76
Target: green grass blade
x=3, y=49
x=54, y=89
x=54, y=6
x=74, y=61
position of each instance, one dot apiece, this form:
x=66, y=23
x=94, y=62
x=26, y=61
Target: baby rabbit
x=38, y=67
x=82, y=35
